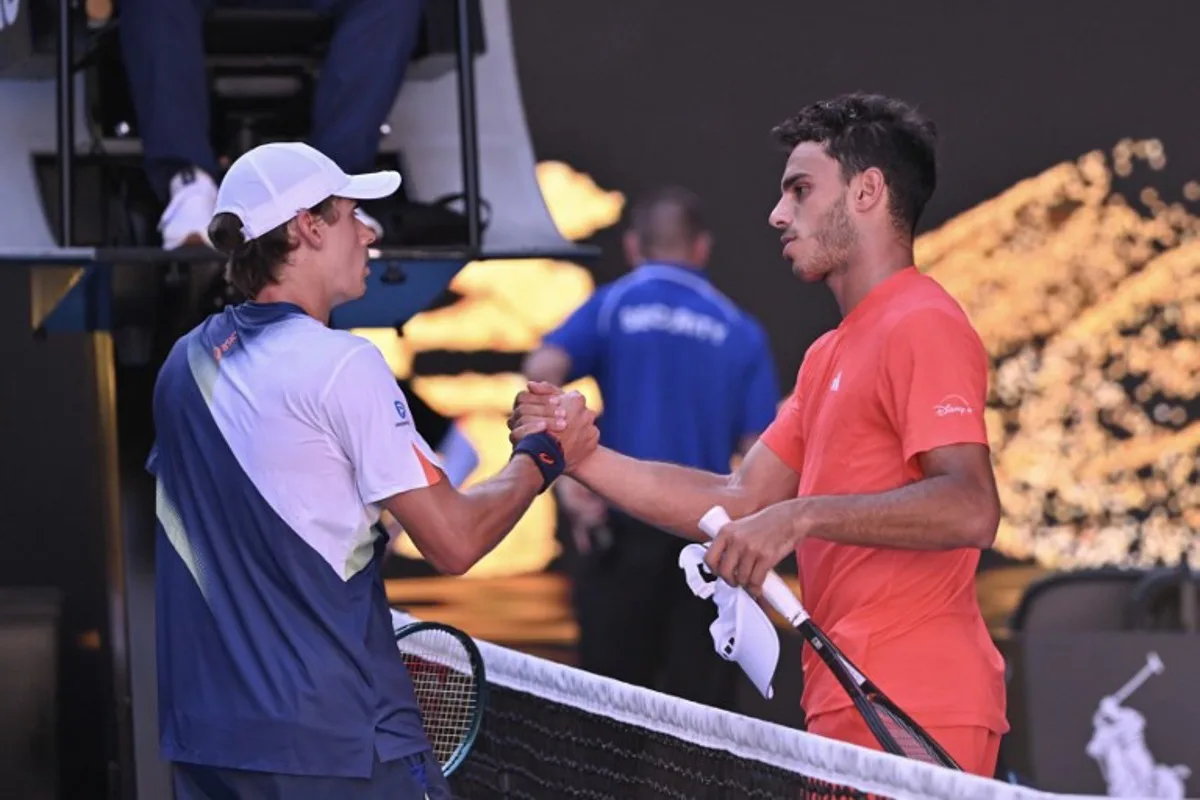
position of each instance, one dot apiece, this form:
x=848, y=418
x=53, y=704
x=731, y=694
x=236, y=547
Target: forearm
x=667, y=496
x=938, y=513
x=490, y=509
x=454, y=529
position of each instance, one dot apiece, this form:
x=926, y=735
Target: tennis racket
x=895, y=731
x=450, y=684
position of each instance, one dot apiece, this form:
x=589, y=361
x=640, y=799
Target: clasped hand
x=564, y=415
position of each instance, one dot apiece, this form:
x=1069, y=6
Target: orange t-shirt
x=904, y=373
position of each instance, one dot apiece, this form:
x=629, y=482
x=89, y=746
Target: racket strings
x=912, y=743
x=445, y=687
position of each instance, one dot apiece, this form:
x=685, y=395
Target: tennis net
x=551, y=731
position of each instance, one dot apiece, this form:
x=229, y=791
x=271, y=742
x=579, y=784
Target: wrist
x=526, y=475
x=589, y=466
x=804, y=518
x=545, y=453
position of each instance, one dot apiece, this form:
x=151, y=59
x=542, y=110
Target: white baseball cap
x=742, y=631
x=272, y=183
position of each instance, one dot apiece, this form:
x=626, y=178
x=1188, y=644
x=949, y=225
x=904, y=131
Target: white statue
x=1118, y=745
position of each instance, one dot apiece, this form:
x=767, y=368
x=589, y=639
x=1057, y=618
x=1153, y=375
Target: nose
x=778, y=218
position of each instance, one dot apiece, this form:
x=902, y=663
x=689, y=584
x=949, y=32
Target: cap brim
x=756, y=644
x=371, y=185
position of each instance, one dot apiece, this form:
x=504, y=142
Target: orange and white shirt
x=903, y=373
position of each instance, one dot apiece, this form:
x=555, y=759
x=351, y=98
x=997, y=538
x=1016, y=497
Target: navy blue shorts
x=413, y=778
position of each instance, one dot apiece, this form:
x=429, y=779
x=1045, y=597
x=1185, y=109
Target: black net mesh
x=533, y=748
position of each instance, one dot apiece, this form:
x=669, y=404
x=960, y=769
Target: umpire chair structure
x=95, y=276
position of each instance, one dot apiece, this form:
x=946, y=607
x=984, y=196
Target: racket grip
x=782, y=599
x=775, y=590
x=712, y=522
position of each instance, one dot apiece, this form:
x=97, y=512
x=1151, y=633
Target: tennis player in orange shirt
x=876, y=472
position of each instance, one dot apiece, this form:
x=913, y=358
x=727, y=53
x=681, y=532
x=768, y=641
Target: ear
x=702, y=249
x=309, y=229
x=868, y=190
x=632, y=247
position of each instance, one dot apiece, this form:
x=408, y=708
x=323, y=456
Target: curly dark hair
x=860, y=131
x=253, y=265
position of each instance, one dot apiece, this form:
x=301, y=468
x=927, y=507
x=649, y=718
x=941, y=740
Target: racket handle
x=783, y=600
x=775, y=590
x=713, y=520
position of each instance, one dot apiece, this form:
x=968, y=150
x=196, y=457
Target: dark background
x=639, y=93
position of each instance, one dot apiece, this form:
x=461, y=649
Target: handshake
x=545, y=408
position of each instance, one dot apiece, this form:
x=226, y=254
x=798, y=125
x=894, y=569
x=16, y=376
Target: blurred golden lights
x=1090, y=310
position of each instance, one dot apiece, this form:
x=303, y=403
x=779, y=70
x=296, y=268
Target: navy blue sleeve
x=762, y=384
x=580, y=337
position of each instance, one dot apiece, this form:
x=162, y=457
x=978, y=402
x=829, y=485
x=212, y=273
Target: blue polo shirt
x=684, y=374
x=277, y=438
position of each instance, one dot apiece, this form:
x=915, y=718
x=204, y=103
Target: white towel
x=742, y=631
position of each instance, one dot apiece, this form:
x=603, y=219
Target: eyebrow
x=791, y=178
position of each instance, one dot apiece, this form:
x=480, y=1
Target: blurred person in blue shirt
x=686, y=377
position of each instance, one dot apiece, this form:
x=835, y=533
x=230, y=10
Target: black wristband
x=546, y=453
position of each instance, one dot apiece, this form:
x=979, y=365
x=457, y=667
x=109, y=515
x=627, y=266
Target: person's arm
x=454, y=529
x=673, y=497
x=572, y=350
x=955, y=505
x=933, y=388
x=395, y=468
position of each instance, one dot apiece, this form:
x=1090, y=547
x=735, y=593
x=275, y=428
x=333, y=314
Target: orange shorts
x=974, y=748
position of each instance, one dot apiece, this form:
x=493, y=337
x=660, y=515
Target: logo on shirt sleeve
x=953, y=405
x=402, y=413
x=220, y=350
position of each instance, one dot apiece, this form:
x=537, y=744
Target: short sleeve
x=368, y=415
x=785, y=435
x=762, y=387
x=934, y=382
x=580, y=337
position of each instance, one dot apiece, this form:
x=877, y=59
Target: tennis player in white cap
x=279, y=443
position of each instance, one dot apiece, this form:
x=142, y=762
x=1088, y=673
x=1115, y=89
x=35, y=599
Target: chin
x=808, y=274
x=354, y=294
